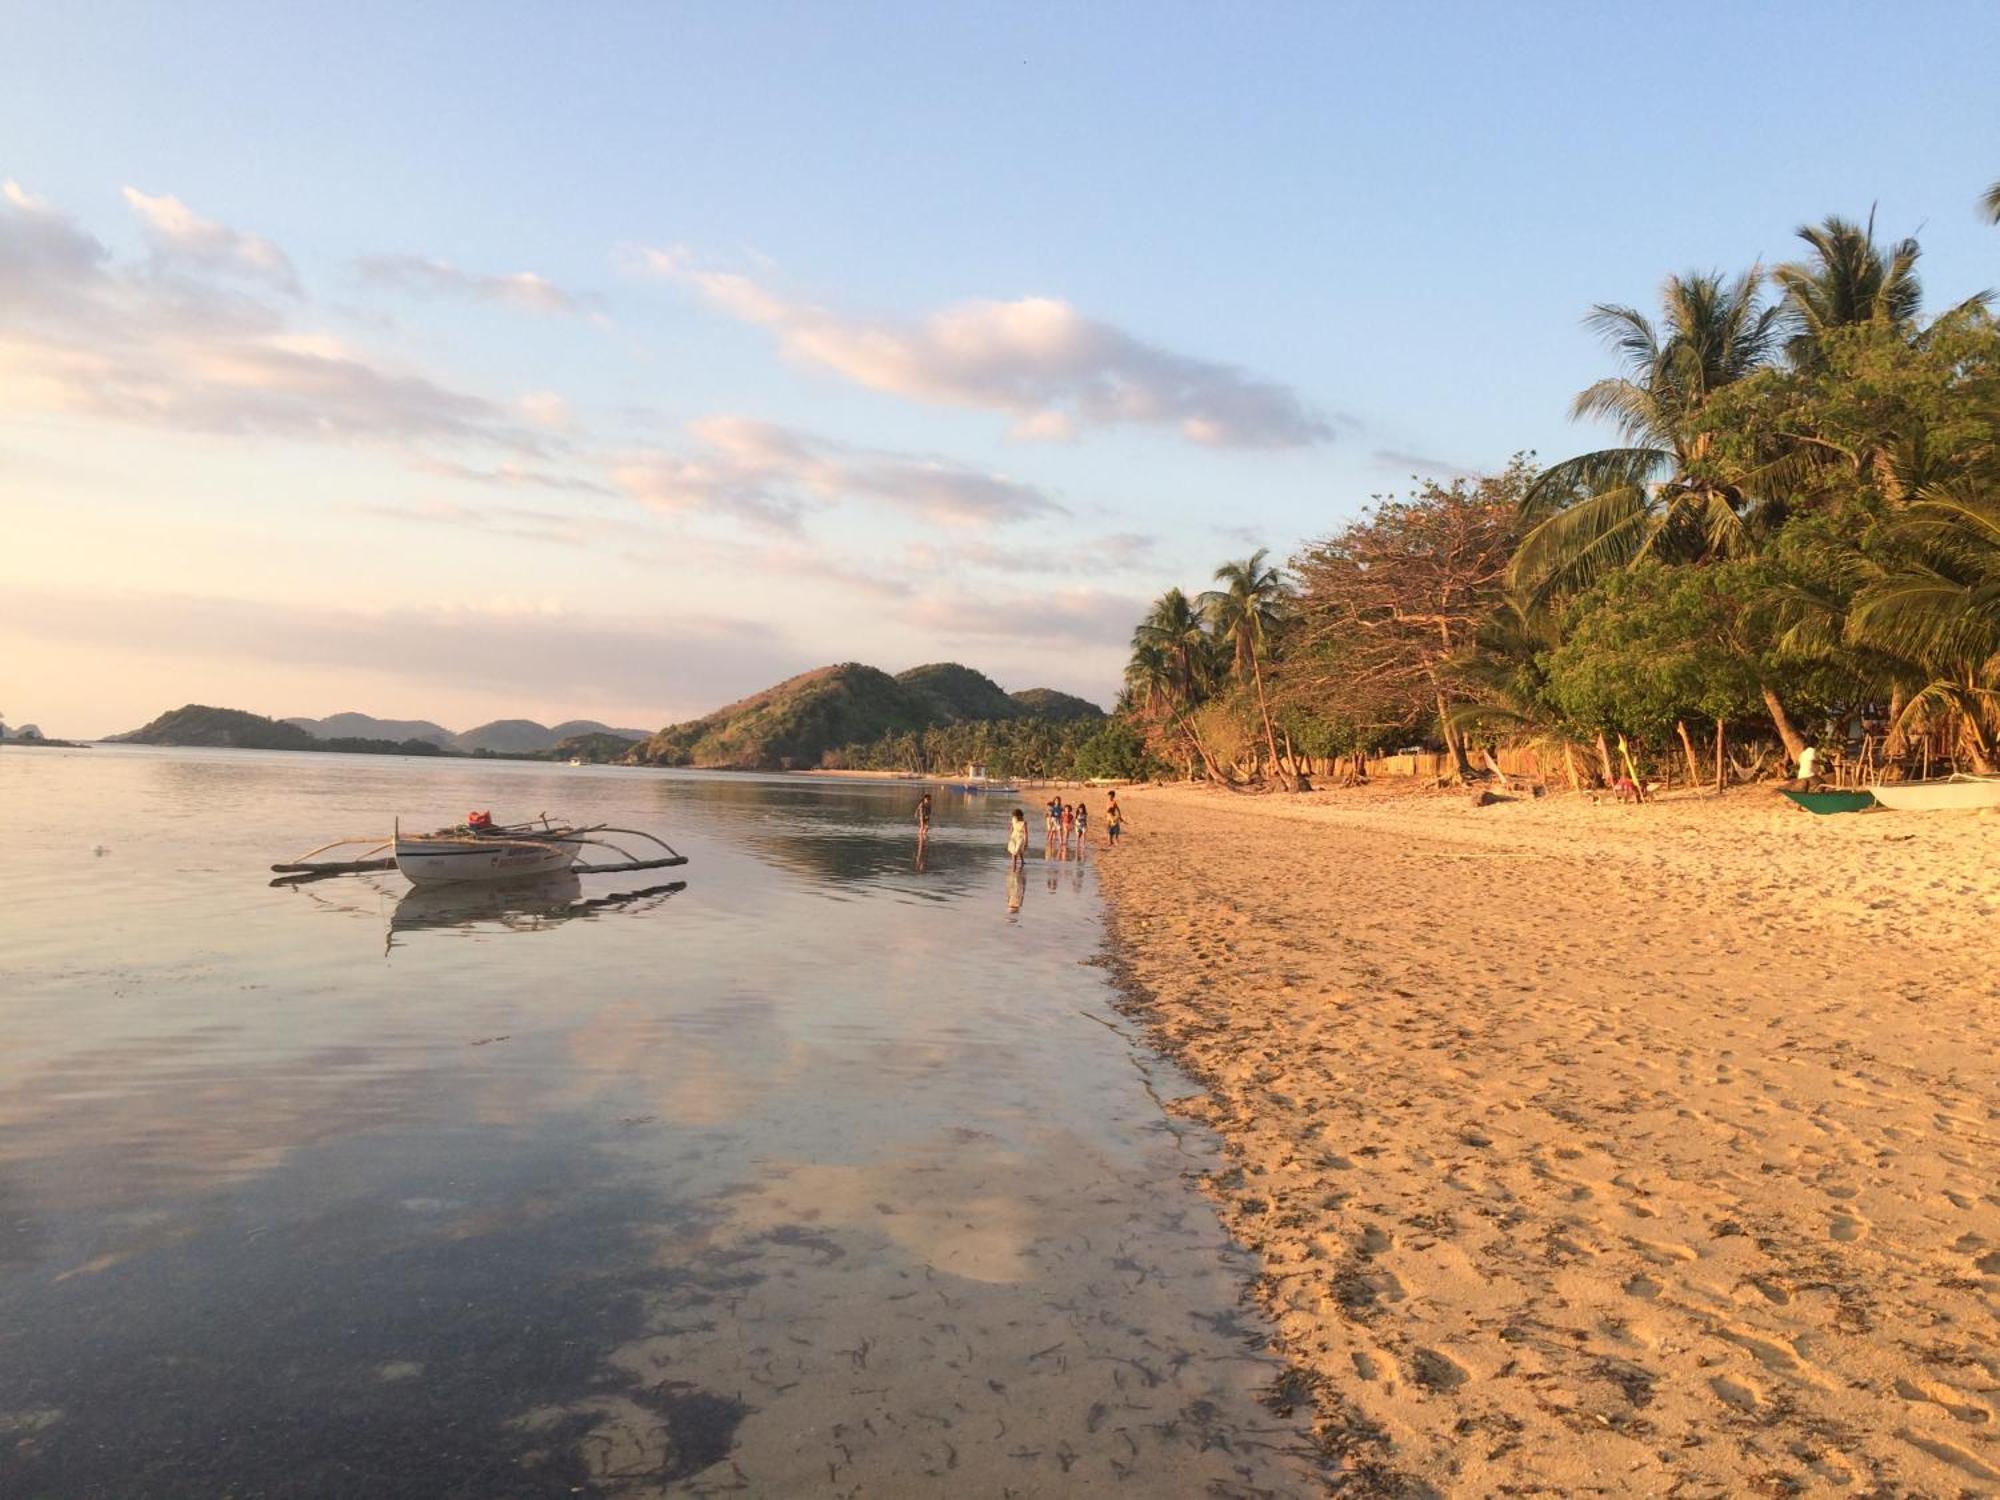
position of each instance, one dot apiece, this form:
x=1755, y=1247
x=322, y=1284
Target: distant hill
x=526, y=737
x=1047, y=703
x=959, y=693
x=793, y=725
x=224, y=728
x=234, y=729
x=367, y=726
x=799, y=723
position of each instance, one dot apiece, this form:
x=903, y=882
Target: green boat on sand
x=1832, y=801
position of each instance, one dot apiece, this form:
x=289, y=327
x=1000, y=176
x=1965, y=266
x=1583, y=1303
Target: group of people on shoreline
x=1065, y=828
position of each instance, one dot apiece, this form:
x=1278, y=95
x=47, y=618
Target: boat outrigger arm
x=309, y=867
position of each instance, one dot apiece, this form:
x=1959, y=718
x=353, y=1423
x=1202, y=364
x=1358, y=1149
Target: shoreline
x=1595, y=1148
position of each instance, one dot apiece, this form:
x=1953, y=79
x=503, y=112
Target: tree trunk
x=1895, y=745
x=1454, y=744
x=1795, y=744
x=1694, y=771
x=1569, y=768
x=1270, y=735
x=1719, y=781
x=1207, y=760
x=1604, y=760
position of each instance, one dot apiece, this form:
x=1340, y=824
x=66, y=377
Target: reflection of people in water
x=1017, y=887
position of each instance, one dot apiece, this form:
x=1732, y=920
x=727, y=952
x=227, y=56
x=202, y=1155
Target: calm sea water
x=805, y=1169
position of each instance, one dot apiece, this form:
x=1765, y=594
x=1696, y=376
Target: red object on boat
x=479, y=820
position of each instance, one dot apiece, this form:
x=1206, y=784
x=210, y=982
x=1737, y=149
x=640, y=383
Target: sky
x=476, y=361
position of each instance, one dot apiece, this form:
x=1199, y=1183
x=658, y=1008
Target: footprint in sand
x=1738, y=1393
x=1947, y=1398
x=1436, y=1372
x=1642, y=1286
x=1846, y=1228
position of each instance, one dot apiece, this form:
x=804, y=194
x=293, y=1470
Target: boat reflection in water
x=530, y=905
x=515, y=906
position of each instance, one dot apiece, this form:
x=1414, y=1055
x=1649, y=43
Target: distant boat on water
x=1959, y=793
x=976, y=780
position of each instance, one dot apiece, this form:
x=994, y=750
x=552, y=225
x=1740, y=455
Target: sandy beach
x=1591, y=1149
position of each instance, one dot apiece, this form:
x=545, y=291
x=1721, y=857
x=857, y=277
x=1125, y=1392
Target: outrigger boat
x=481, y=850
x=1946, y=794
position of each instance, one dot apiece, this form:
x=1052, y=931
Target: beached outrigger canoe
x=1832, y=799
x=1945, y=794
x=481, y=850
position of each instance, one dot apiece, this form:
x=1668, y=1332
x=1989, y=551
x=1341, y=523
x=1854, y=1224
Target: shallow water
x=801, y=1170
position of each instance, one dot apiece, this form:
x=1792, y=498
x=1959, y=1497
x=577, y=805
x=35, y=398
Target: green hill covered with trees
x=236, y=729
x=933, y=718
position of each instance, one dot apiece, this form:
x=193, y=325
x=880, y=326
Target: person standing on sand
x=1017, y=840
x=1082, y=827
x=1114, y=819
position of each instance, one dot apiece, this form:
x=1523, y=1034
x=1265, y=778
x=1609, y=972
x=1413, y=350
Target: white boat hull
x=450, y=861
x=1939, y=796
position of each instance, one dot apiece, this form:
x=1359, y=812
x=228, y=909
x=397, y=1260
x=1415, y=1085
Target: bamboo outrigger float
x=481, y=850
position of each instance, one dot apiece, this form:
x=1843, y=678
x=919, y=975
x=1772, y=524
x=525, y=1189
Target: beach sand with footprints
x=1592, y=1149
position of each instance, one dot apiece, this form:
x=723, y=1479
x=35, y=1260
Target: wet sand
x=1598, y=1150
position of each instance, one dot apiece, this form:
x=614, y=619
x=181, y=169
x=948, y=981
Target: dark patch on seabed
x=445, y=1340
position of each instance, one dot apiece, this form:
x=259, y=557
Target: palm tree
x=1666, y=494
x=1173, y=656
x=1936, y=610
x=1661, y=494
x=1246, y=612
x=1990, y=204
x=1847, y=279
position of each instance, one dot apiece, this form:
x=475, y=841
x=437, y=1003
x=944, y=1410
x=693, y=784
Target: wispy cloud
x=180, y=235
x=424, y=277
x=773, y=476
x=1037, y=359
x=1085, y=556
x=1075, y=616
x=517, y=649
x=1420, y=465
x=80, y=332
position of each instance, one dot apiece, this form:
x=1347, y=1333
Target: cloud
x=1081, y=617
x=516, y=649
x=81, y=333
x=1089, y=555
x=179, y=234
x=423, y=277
x=1037, y=359
x=772, y=476
x=1418, y=464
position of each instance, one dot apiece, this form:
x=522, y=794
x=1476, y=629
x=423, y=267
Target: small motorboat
x=481, y=850
x=1832, y=800
x=1950, y=793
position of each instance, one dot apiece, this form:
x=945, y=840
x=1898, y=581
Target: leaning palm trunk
x=1795, y=744
x=1270, y=734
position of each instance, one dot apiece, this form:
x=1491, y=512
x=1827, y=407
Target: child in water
x=1017, y=840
